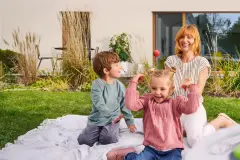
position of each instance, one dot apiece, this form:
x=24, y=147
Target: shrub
x=9, y=60
x=51, y=83
x=225, y=77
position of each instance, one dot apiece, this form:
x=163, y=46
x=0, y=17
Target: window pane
x=167, y=25
x=220, y=32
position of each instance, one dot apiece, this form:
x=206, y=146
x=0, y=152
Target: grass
x=22, y=111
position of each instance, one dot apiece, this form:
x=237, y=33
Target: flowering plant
x=121, y=45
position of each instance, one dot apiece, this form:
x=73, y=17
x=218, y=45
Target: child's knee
x=83, y=139
x=108, y=138
x=89, y=136
x=131, y=156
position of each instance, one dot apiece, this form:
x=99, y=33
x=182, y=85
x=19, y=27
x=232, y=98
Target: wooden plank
x=154, y=36
x=184, y=17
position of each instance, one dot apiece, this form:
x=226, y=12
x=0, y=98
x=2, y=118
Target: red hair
x=192, y=31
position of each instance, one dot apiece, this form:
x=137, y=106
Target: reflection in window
x=167, y=25
x=220, y=33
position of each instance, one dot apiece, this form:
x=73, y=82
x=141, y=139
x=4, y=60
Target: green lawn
x=22, y=111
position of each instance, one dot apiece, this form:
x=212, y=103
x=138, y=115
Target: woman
x=189, y=63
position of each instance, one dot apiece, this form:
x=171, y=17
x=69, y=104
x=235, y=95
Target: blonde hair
x=188, y=30
x=163, y=73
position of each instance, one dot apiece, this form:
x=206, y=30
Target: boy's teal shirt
x=108, y=103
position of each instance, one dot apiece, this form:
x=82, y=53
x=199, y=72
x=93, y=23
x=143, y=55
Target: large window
x=220, y=32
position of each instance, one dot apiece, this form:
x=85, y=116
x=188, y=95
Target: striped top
x=183, y=70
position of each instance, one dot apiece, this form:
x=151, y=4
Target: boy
x=107, y=96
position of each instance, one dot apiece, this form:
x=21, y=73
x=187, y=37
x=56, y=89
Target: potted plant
x=121, y=45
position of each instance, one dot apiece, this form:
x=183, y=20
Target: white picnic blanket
x=218, y=146
x=56, y=139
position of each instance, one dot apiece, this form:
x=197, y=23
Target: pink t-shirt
x=161, y=121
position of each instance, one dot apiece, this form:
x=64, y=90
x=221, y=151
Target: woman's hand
x=186, y=83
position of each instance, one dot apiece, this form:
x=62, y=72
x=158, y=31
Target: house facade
x=152, y=24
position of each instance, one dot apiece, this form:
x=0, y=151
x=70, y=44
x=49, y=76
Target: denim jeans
x=150, y=153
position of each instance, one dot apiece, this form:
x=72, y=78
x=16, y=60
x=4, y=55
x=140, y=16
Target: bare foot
x=225, y=121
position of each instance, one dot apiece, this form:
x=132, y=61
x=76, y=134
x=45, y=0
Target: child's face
x=186, y=43
x=160, y=88
x=115, y=71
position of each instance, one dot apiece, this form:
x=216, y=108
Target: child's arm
x=132, y=99
x=129, y=119
x=188, y=106
x=98, y=101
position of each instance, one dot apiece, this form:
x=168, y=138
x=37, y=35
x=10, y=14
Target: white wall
x=109, y=17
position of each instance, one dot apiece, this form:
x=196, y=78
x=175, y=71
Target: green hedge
x=8, y=59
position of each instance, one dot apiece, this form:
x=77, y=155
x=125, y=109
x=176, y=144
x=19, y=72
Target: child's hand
x=117, y=119
x=132, y=128
x=138, y=78
x=186, y=83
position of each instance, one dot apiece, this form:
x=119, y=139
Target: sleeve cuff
x=130, y=122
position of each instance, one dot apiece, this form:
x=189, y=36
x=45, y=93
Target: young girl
x=161, y=120
x=189, y=63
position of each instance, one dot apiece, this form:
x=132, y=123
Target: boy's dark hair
x=103, y=60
